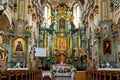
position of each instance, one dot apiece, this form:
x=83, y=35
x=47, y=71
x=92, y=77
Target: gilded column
x=79, y=42
x=70, y=48
x=70, y=41
x=68, y=38
x=45, y=36
x=53, y=45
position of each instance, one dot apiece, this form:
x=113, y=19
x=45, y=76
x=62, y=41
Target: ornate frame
x=107, y=49
x=61, y=43
x=62, y=23
x=15, y=43
x=2, y=56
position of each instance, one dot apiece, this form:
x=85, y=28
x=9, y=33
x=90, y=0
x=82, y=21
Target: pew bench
x=103, y=74
x=21, y=75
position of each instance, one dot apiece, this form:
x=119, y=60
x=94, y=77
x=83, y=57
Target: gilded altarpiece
x=62, y=38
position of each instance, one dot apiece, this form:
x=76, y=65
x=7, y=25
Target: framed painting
x=107, y=47
x=62, y=23
x=19, y=47
x=62, y=43
x=2, y=56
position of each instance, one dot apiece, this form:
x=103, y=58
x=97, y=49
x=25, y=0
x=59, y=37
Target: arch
x=4, y=22
x=8, y=15
x=117, y=18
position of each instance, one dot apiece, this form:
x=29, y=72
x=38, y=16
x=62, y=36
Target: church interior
x=59, y=40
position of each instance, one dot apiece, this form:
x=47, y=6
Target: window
x=104, y=7
x=76, y=14
x=47, y=14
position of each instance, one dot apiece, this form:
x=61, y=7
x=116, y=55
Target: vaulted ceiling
x=54, y=3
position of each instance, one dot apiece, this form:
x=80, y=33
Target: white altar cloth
x=17, y=68
x=109, y=69
x=63, y=70
x=47, y=73
x=71, y=74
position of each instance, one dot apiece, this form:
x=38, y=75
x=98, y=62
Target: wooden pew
x=21, y=75
x=102, y=75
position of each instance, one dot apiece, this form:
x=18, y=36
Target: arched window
x=47, y=14
x=76, y=14
x=104, y=9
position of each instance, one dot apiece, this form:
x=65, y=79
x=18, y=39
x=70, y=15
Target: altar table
x=17, y=68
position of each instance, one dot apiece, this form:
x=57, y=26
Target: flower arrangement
x=73, y=69
x=63, y=69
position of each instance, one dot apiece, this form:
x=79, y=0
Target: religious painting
x=1, y=55
x=107, y=47
x=62, y=43
x=62, y=23
x=19, y=47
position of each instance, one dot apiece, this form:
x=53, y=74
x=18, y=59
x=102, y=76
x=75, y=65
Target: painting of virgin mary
x=19, y=46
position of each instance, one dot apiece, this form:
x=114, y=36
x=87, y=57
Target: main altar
x=65, y=44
